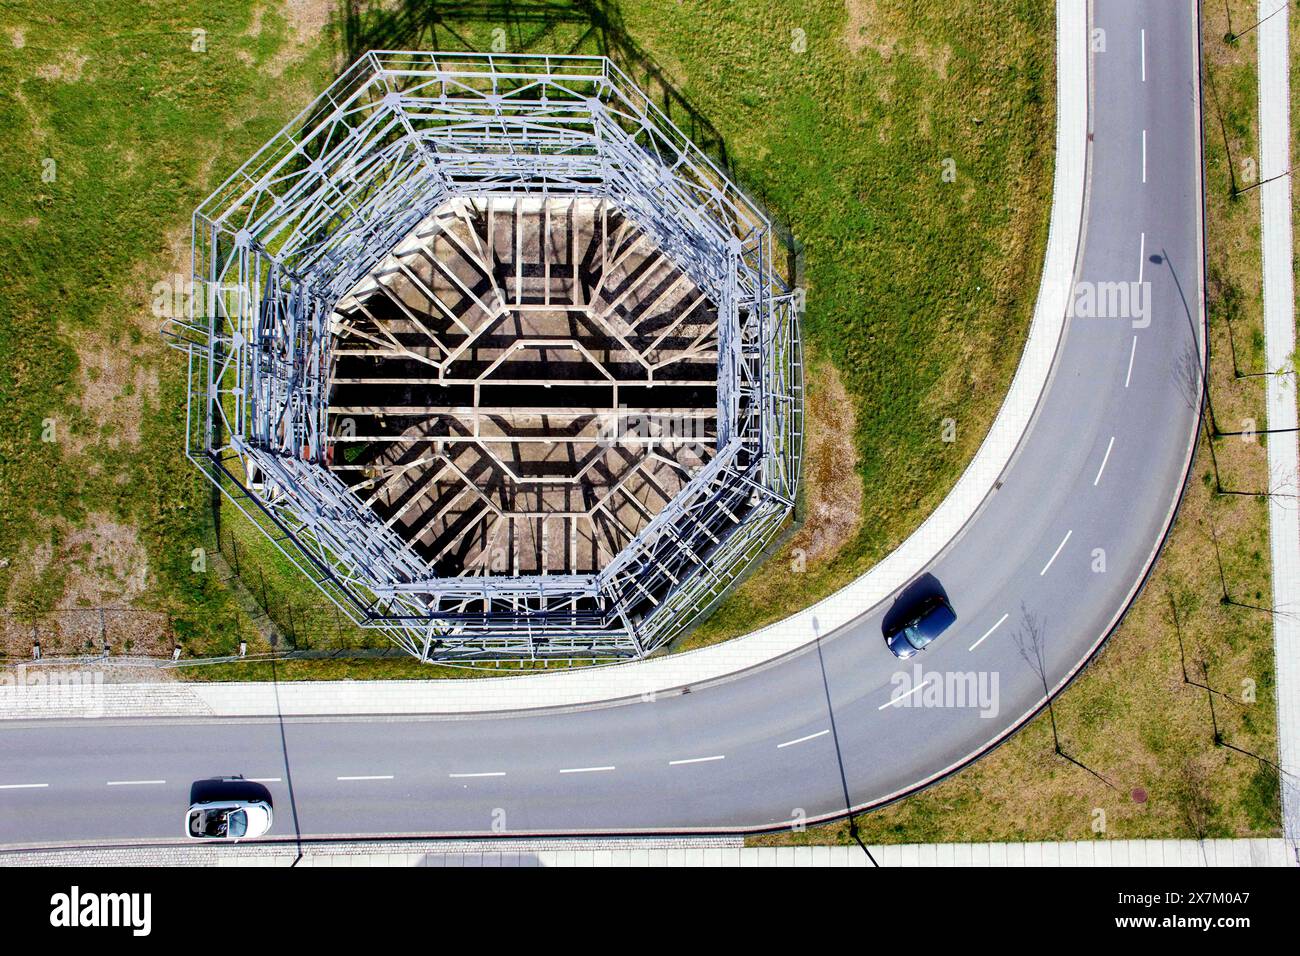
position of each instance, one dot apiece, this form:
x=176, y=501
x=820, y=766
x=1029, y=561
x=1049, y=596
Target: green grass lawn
x=919, y=290
x=841, y=119
x=115, y=128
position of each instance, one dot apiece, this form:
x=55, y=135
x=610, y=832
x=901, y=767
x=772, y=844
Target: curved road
x=832, y=726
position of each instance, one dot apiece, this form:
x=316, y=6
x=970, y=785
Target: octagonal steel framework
x=397, y=137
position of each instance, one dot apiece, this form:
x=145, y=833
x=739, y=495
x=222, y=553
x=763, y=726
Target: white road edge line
x=134, y=783
x=23, y=786
x=989, y=631
x=587, y=769
x=486, y=773
x=1056, y=552
x=917, y=689
x=1131, y=354
x=370, y=776
x=799, y=740
x=1104, y=458
x=678, y=763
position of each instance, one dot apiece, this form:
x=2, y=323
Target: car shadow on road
x=220, y=789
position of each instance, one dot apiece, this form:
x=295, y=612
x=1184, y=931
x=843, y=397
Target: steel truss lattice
x=398, y=137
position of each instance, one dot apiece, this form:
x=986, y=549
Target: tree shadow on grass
x=569, y=27
x=557, y=27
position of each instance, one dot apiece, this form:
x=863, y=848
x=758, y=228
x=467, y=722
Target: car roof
x=937, y=616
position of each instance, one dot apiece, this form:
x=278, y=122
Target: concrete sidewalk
x=666, y=852
x=1279, y=338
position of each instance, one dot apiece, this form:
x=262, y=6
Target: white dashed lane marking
x=587, y=770
x=799, y=740
x=678, y=763
x=369, y=776
x=23, y=786
x=989, y=631
x=901, y=697
x=484, y=773
x=135, y=783
x=1056, y=552
x=1105, y=458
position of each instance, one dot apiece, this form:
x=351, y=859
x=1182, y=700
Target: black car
x=919, y=625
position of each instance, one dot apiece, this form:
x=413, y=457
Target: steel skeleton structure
x=395, y=138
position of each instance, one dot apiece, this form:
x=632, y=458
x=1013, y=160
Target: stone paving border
x=696, y=852
x=661, y=674
x=1279, y=345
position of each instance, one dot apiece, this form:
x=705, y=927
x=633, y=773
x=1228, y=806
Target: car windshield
x=237, y=824
x=917, y=637
x=929, y=625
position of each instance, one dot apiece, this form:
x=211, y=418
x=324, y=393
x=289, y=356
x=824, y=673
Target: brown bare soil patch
x=834, y=487
x=870, y=27
x=109, y=564
x=67, y=68
x=308, y=20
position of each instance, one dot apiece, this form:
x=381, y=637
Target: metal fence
x=86, y=631
x=394, y=138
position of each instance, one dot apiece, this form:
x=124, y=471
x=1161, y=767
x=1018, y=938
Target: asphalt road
x=826, y=728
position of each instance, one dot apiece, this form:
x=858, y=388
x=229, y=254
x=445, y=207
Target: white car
x=232, y=820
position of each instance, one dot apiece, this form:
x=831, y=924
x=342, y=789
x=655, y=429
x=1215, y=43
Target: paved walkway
x=649, y=852
x=1279, y=338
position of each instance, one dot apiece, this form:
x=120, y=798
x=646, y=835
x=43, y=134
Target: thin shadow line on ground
x=835, y=737
x=288, y=771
